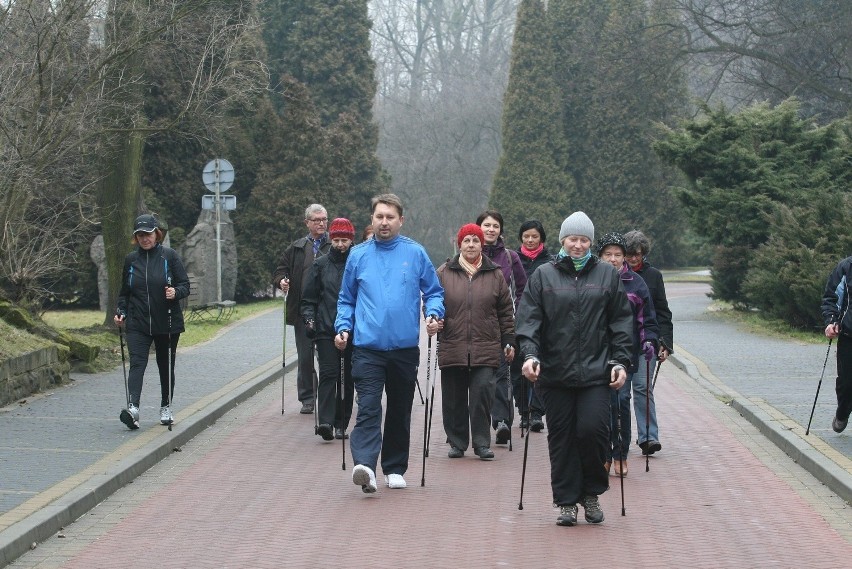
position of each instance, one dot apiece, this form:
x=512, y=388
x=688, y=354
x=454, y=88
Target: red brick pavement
x=273, y=495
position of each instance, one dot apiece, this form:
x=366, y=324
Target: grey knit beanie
x=578, y=223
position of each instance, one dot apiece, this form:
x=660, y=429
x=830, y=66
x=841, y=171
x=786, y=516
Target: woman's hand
x=433, y=325
x=509, y=352
x=170, y=293
x=617, y=377
x=530, y=369
x=832, y=330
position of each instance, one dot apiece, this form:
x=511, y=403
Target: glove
x=310, y=329
x=648, y=349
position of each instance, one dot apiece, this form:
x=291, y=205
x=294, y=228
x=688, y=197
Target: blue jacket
x=381, y=291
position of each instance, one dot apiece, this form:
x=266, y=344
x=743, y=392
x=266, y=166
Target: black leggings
x=139, y=346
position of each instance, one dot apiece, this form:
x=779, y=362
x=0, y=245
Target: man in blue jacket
x=380, y=299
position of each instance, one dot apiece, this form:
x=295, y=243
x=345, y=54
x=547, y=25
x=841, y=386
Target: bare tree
x=751, y=50
x=73, y=76
x=442, y=68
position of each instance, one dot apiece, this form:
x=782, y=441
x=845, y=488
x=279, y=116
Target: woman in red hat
x=319, y=309
x=477, y=329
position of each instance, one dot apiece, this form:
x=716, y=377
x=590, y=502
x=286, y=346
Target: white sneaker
x=364, y=477
x=130, y=417
x=166, y=415
x=395, y=481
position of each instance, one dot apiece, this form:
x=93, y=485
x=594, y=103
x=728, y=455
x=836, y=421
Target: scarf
x=532, y=253
x=578, y=263
x=470, y=268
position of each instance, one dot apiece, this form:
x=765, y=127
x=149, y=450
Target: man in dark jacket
x=838, y=324
x=638, y=248
x=289, y=276
x=319, y=309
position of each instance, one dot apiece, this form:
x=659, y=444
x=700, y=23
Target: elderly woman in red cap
x=477, y=329
x=319, y=309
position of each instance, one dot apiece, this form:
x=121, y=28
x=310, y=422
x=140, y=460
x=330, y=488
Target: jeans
x=620, y=403
x=641, y=404
x=139, y=346
x=395, y=373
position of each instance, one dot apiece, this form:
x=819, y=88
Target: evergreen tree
x=532, y=179
x=618, y=76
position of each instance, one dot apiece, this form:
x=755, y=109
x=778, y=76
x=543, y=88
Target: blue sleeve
x=430, y=287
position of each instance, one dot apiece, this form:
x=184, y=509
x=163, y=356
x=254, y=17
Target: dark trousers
x=843, y=387
x=466, y=398
x=330, y=409
x=526, y=397
x=139, y=346
x=305, y=370
x=395, y=373
x=501, y=410
x=577, y=440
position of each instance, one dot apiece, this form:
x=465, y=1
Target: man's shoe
x=567, y=515
x=166, y=415
x=339, y=434
x=536, y=425
x=364, y=477
x=594, y=514
x=455, y=452
x=130, y=417
x=326, y=432
x=484, y=453
x=307, y=408
x=395, y=481
x=650, y=446
x=503, y=433
x=838, y=425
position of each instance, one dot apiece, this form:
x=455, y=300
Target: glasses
x=319, y=220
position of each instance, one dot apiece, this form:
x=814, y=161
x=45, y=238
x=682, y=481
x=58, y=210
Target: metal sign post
x=218, y=175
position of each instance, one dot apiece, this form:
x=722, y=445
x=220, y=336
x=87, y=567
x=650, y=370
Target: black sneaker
x=503, y=433
x=567, y=515
x=326, y=432
x=536, y=425
x=307, y=408
x=650, y=446
x=339, y=434
x=838, y=425
x=484, y=453
x=525, y=423
x=455, y=452
x=594, y=514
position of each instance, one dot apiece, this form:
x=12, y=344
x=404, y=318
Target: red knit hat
x=341, y=227
x=470, y=229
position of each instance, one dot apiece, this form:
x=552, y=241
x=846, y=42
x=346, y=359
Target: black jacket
x=320, y=292
x=142, y=298
x=530, y=265
x=292, y=266
x=654, y=279
x=578, y=324
x=835, y=299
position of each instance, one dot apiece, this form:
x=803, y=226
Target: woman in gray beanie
x=575, y=330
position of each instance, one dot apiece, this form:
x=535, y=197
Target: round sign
x=218, y=170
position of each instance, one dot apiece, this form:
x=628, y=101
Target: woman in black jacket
x=575, y=329
x=319, y=309
x=153, y=282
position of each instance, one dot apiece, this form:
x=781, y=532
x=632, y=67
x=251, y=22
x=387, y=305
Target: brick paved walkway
x=258, y=489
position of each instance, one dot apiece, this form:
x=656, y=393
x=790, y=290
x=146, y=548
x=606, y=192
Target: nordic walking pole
x=316, y=388
x=647, y=411
x=825, y=363
x=171, y=361
x=620, y=443
x=132, y=424
x=284, y=352
x=341, y=401
x=526, y=451
x=511, y=404
x=426, y=414
x=432, y=397
x=420, y=393
x=656, y=373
